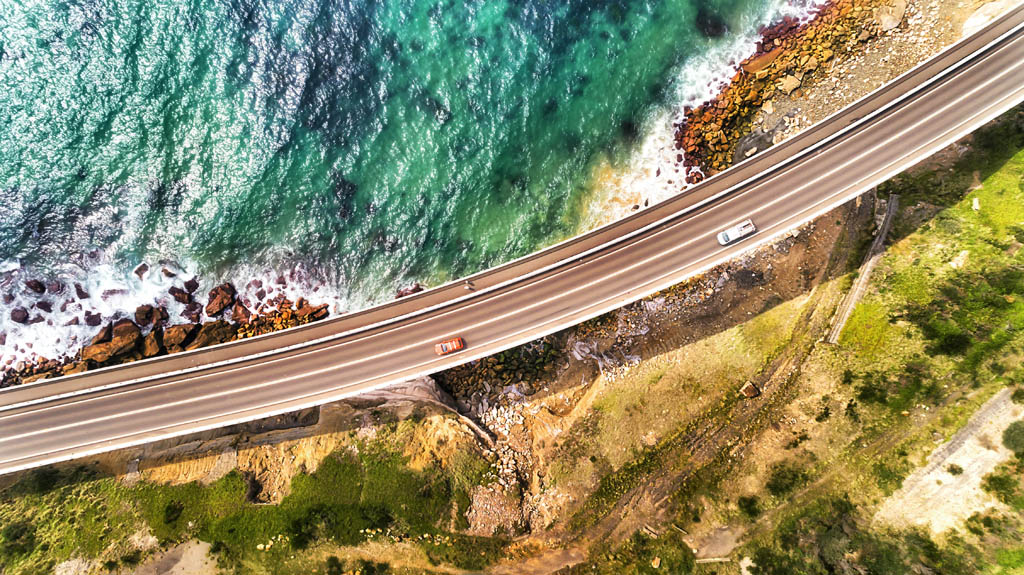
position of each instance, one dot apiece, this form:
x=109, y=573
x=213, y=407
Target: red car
x=449, y=346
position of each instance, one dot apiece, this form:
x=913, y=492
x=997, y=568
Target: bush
x=172, y=511
x=1018, y=395
x=750, y=506
x=784, y=478
x=334, y=566
x=1013, y=438
x=18, y=538
x=1004, y=487
x=954, y=469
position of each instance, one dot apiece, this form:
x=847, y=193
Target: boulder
x=103, y=336
x=212, y=333
x=54, y=287
x=192, y=311
x=144, y=314
x=93, y=319
x=788, y=84
x=240, y=313
x=141, y=270
x=152, y=344
x=761, y=61
x=414, y=288
x=192, y=285
x=180, y=295
x=124, y=337
x=73, y=368
x=44, y=305
x=315, y=313
x=35, y=285
x=221, y=298
x=890, y=15
x=124, y=328
x=19, y=315
x=168, y=273
x=177, y=336
x=80, y=291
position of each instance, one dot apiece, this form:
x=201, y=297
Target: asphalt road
x=780, y=189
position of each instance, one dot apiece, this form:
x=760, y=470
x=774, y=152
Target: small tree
x=1013, y=438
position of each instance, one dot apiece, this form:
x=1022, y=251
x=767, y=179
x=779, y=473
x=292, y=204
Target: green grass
x=1008, y=562
x=867, y=333
x=50, y=518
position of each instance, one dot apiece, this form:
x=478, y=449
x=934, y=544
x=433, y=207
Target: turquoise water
x=372, y=144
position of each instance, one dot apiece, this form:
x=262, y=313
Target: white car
x=737, y=232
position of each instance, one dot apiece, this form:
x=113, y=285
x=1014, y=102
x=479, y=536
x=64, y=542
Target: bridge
x=873, y=139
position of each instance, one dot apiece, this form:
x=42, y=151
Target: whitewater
x=333, y=150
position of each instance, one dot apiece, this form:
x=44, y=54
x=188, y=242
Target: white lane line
x=784, y=165
x=290, y=405
x=937, y=112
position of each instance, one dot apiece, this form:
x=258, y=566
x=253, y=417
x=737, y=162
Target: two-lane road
x=875, y=138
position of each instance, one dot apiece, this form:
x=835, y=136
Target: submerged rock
x=192, y=311
x=180, y=295
x=35, y=285
x=710, y=24
x=19, y=315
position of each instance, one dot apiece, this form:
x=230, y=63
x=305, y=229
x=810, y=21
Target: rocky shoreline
x=149, y=332
x=789, y=54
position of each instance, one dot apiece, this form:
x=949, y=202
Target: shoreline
x=789, y=54
x=152, y=331
x=718, y=132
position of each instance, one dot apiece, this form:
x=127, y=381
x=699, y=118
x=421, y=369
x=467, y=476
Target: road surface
x=781, y=188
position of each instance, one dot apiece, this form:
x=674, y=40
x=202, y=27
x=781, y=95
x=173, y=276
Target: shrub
x=784, y=478
x=750, y=506
x=18, y=538
x=334, y=566
x=172, y=511
x=1004, y=487
x=1013, y=438
x=954, y=469
x=1018, y=395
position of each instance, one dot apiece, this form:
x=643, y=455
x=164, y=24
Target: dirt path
x=940, y=500
x=860, y=286
x=189, y=558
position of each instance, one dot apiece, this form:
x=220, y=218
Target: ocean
x=350, y=147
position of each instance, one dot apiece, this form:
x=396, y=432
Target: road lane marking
x=544, y=302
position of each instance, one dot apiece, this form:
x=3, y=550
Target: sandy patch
x=189, y=558
x=934, y=498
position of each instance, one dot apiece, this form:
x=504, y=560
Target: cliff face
x=269, y=453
